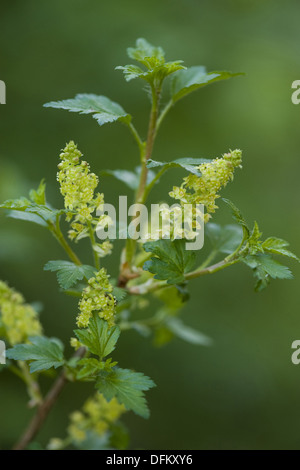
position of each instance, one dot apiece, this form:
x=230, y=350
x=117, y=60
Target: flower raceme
x=78, y=185
x=18, y=320
x=97, y=416
x=97, y=297
x=204, y=189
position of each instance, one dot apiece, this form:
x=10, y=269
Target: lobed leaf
x=69, y=273
x=128, y=387
x=44, y=353
x=265, y=267
x=98, y=337
x=102, y=108
x=170, y=261
x=278, y=246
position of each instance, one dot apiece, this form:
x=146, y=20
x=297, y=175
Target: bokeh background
x=243, y=392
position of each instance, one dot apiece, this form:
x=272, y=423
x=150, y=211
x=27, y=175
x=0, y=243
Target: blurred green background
x=243, y=392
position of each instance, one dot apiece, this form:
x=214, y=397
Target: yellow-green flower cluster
x=18, y=320
x=97, y=297
x=204, y=189
x=77, y=185
x=97, y=415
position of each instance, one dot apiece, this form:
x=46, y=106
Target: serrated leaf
x=189, y=164
x=44, y=353
x=90, y=367
x=16, y=204
x=265, y=267
x=144, y=50
x=44, y=212
x=119, y=293
x=128, y=387
x=170, y=261
x=98, y=337
x=69, y=273
x=278, y=246
x=102, y=108
x=179, y=329
x=151, y=57
x=131, y=72
x=193, y=78
x=224, y=239
x=237, y=215
x=130, y=178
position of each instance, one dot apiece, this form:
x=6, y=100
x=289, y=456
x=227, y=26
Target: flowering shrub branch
x=155, y=270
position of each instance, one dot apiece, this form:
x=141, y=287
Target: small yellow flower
x=78, y=185
x=97, y=415
x=204, y=189
x=18, y=319
x=97, y=297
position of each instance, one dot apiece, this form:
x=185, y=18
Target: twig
x=44, y=409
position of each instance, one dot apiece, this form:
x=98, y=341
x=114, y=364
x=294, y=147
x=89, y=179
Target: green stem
x=163, y=114
x=32, y=386
x=150, y=185
x=136, y=136
x=93, y=243
x=211, y=269
x=56, y=231
x=208, y=260
x=149, y=143
x=146, y=152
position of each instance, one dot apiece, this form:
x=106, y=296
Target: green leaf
x=39, y=196
x=119, y=293
x=90, y=367
x=278, y=246
x=224, y=239
x=265, y=267
x=182, y=331
x=98, y=337
x=188, y=164
x=69, y=273
x=132, y=71
x=193, y=78
x=173, y=298
x=102, y=108
x=34, y=209
x=237, y=215
x=153, y=59
x=128, y=387
x=144, y=51
x=27, y=217
x=171, y=260
x=44, y=353
x=130, y=178
x=16, y=204
x=22, y=204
